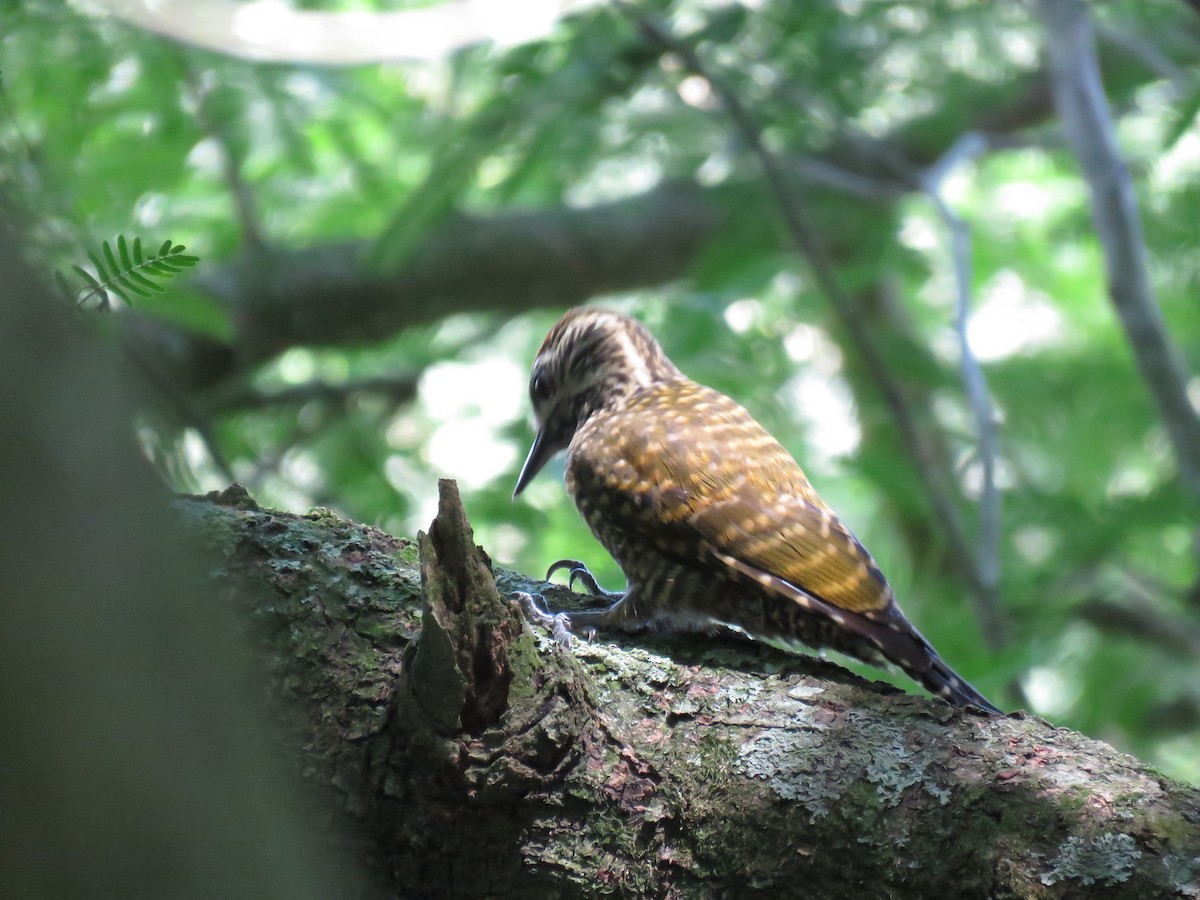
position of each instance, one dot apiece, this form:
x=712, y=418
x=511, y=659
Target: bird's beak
x=539, y=455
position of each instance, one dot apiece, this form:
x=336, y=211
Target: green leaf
x=87, y=276
x=101, y=272
x=112, y=260
x=141, y=280
x=125, y=282
x=123, y=251
x=163, y=267
x=116, y=289
x=127, y=274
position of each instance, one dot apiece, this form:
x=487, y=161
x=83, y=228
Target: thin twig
x=806, y=241
x=987, y=560
x=865, y=187
x=1087, y=121
x=244, y=205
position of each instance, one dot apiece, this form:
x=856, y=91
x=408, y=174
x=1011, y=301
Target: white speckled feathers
x=681, y=454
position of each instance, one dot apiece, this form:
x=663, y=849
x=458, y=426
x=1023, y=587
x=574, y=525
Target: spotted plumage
x=709, y=517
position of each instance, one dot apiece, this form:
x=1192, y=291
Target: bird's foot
x=561, y=624
x=533, y=605
x=579, y=572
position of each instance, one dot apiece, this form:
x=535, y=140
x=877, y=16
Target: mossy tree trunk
x=476, y=756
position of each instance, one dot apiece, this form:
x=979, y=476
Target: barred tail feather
x=942, y=681
x=867, y=635
x=901, y=643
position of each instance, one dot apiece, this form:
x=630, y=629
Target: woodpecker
x=711, y=520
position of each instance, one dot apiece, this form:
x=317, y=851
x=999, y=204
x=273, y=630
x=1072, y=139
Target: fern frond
x=126, y=274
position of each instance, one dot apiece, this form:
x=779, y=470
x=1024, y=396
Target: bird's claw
x=571, y=565
x=578, y=571
x=559, y=624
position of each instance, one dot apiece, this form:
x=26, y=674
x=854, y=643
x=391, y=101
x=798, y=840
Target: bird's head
x=591, y=360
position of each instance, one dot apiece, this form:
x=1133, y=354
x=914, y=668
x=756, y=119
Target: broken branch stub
x=460, y=670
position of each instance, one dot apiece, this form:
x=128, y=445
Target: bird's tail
x=871, y=635
x=903, y=645
x=942, y=681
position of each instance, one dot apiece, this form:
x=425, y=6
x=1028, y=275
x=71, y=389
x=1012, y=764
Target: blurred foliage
x=138, y=134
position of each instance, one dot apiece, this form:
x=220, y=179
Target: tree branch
x=507, y=262
x=988, y=607
x=1079, y=97
x=480, y=758
x=397, y=388
x=244, y=205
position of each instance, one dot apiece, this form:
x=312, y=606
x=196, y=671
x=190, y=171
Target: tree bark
x=479, y=757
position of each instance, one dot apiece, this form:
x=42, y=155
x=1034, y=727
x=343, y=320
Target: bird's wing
x=704, y=473
x=791, y=539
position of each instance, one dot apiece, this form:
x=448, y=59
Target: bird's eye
x=539, y=387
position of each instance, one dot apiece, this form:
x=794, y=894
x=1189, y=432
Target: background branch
x=988, y=606
x=324, y=295
x=232, y=157
x=398, y=389
x=1135, y=618
x=1083, y=108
